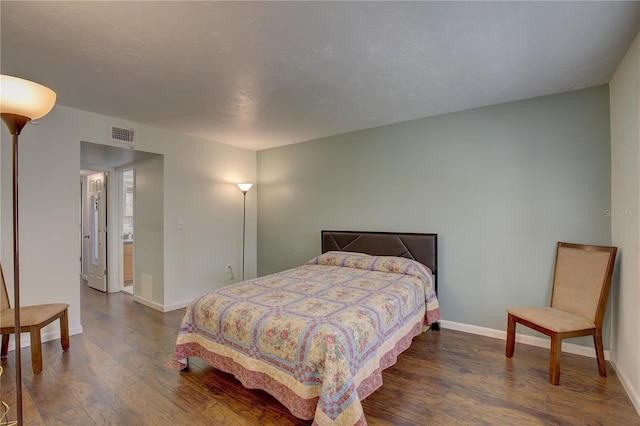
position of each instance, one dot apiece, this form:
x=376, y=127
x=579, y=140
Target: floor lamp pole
x=244, y=187
x=15, y=123
x=16, y=280
x=244, y=220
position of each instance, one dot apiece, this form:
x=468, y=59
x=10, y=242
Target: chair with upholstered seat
x=581, y=283
x=32, y=320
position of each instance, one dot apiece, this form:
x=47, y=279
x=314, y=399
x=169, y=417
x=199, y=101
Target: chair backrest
x=4, y=297
x=582, y=279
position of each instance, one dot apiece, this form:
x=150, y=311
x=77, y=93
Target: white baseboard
x=149, y=303
x=159, y=307
x=178, y=305
x=542, y=342
x=627, y=385
x=25, y=340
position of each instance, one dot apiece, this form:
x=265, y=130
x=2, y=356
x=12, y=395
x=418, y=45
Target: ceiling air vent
x=125, y=136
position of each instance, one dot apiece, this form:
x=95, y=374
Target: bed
x=318, y=336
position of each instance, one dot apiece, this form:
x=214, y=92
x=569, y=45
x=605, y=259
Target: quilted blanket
x=316, y=337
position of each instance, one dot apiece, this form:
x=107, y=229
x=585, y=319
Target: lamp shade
x=25, y=98
x=245, y=187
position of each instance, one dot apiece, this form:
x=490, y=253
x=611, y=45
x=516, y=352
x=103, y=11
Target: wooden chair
x=581, y=282
x=32, y=320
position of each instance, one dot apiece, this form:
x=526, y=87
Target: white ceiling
x=264, y=74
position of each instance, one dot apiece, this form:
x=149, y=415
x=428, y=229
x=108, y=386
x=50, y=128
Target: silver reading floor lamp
x=244, y=187
x=20, y=102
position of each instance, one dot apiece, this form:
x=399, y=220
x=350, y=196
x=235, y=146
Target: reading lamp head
x=22, y=101
x=245, y=187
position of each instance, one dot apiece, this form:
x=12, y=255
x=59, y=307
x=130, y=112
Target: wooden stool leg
x=511, y=336
x=5, y=345
x=36, y=349
x=64, y=330
x=554, y=359
x=597, y=341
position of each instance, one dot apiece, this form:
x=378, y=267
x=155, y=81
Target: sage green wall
x=499, y=184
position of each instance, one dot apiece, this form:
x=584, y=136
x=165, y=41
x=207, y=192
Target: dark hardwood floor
x=114, y=374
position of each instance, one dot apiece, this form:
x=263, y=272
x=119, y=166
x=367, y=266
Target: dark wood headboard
x=420, y=247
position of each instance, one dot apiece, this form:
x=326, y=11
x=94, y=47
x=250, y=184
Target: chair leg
x=64, y=330
x=554, y=359
x=5, y=345
x=597, y=341
x=36, y=349
x=511, y=336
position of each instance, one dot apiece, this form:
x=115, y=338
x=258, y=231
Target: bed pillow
x=366, y=261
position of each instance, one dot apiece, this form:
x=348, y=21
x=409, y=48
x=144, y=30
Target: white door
x=97, y=209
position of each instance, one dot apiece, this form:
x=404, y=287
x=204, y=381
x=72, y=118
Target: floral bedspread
x=316, y=337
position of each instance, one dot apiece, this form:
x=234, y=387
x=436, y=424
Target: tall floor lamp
x=244, y=187
x=20, y=102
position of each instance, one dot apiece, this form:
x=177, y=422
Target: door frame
x=113, y=238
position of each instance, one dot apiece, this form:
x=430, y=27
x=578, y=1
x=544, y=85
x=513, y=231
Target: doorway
x=112, y=161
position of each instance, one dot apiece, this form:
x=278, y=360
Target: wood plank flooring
x=113, y=374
